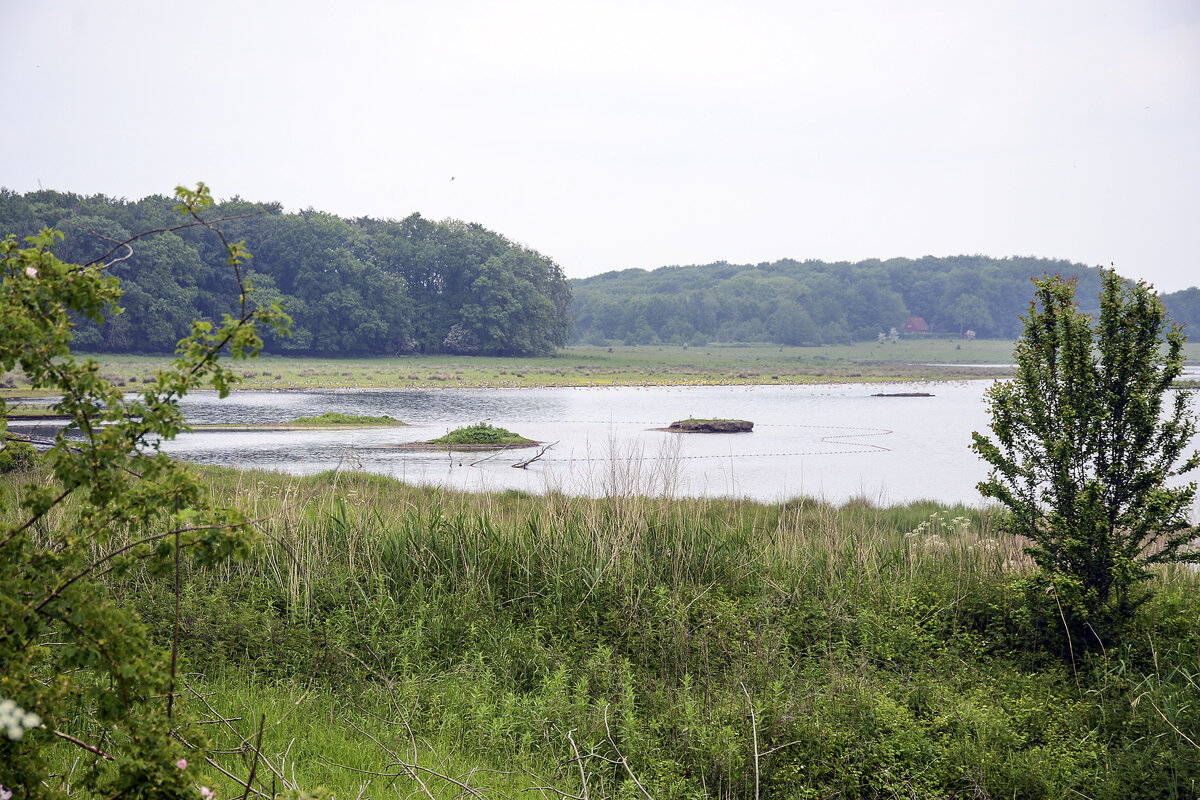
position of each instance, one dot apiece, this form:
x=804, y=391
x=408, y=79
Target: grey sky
x=639, y=134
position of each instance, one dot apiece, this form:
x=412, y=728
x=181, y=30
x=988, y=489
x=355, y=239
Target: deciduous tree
x=109, y=499
x=1087, y=443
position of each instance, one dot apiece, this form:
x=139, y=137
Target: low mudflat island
x=711, y=426
x=329, y=421
x=33, y=414
x=480, y=436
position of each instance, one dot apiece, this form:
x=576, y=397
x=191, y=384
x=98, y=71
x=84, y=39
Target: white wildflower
x=15, y=720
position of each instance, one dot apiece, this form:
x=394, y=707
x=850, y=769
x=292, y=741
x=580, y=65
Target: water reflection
x=834, y=441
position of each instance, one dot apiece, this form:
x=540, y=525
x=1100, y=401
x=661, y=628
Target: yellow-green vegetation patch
x=330, y=420
x=336, y=419
x=32, y=412
x=648, y=365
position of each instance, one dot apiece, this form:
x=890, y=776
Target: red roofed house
x=915, y=325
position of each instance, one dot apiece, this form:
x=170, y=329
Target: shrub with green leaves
x=480, y=433
x=69, y=653
x=16, y=455
x=1087, y=445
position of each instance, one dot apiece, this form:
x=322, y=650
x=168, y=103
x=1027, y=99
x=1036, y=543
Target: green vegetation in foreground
x=335, y=419
x=864, y=652
x=480, y=433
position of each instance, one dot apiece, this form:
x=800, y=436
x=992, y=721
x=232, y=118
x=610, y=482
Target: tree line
x=384, y=287
x=352, y=286
x=815, y=302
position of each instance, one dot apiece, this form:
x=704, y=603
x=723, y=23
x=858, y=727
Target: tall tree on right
x=1087, y=441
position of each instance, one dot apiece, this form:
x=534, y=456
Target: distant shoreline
x=907, y=361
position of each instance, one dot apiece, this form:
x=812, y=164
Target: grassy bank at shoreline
x=603, y=366
x=711, y=648
x=716, y=364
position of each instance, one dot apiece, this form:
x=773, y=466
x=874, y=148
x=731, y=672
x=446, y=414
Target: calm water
x=832, y=441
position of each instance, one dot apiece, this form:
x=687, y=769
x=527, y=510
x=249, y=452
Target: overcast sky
x=621, y=134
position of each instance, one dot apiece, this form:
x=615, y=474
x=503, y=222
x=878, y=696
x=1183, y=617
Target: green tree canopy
x=844, y=302
x=110, y=499
x=360, y=286
x=1086, y=442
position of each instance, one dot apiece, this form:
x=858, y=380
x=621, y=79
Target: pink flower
x=181, y=763
x=5, y=794
x=207, y=793
x=30, y=272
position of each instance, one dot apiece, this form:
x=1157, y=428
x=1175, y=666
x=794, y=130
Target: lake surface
x=829, y=441
x=833, y=441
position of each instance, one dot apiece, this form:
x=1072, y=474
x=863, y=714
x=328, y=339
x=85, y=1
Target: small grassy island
x=329, y=421
x=694, y=425
x=480, y=436
x=30, y=412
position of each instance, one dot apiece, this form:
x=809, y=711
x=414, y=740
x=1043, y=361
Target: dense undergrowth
x=400, y=639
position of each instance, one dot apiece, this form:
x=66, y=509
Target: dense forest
x=381, y=287
x=814, y=302
x=361, y=286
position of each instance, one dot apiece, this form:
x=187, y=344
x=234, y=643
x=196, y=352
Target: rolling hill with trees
x=352, y=287
x=384, y=287
x=815, y=302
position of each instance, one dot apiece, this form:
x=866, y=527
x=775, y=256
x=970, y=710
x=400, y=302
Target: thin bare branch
x=79, y=743
x=233, y=777
x=621, y=756
x=754, y=735
x=525, y=464
x=227, y=721
x=257, y=753
x=197, y=223
x=579, y=762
